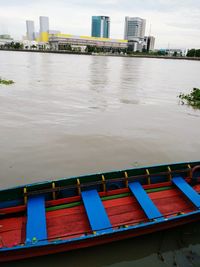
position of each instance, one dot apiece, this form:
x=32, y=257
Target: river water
x=68, y=115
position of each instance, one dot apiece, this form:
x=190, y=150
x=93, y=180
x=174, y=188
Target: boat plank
x=95, y=210
x=145, y=202
x=36, y=219
x=187, y=190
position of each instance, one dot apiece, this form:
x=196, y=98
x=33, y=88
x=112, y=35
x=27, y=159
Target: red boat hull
x=98, y=240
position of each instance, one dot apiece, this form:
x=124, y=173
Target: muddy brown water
x=68, y=115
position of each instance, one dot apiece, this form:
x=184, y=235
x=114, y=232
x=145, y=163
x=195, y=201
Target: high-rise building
x=134, y=28
x=149, y=43
x=30, y=30
x=44, y=24
x=100, y=26
x=44, y=28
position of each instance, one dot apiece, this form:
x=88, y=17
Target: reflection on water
x=129, y=81
x=68, y=115
x=98, y=82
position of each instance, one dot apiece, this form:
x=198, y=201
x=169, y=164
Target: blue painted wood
x=145, y=202
x=95, y=210
x=187, y=190
x=36, y=228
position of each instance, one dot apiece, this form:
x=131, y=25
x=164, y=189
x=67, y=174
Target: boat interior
x=68, y=209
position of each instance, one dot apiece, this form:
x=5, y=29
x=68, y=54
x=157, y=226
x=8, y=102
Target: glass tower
x=134, y=28
x=30, y=30
x=100, y=26
x=44, y=29
x=44, y=24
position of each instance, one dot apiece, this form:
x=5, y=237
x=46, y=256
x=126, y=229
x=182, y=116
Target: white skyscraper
x=134, y=28
x=30, y=30
x=44, y=24
x=149, y=43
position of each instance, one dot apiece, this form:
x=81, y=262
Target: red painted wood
x=22, y=208
x=12, y=231
x=73, y=222
x=52, y=249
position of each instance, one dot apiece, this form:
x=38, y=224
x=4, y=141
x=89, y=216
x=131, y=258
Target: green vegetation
x=66, y=47
x=105, y=50
x=192, y=99
x=6, y=82
x=12, y=45
x=193, y=53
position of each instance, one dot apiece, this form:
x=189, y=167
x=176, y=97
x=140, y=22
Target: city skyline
x=173, y=23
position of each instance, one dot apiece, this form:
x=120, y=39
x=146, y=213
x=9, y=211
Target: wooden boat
x=67, y=214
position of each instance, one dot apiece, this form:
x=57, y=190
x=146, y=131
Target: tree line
x=12, y=45
x=193, y=53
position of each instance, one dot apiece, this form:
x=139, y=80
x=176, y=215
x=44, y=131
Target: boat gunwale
x=98, y=173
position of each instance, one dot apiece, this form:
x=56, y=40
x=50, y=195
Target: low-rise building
x=30, y=44
x=174, y=52
x=5, y=39
x=60, y=41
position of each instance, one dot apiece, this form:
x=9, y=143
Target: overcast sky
x=174, y=23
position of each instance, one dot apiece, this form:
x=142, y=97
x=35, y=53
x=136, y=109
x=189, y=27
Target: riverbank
x=101, y=54
x=46, y=51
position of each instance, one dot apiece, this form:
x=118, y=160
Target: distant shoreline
x=105, y=55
